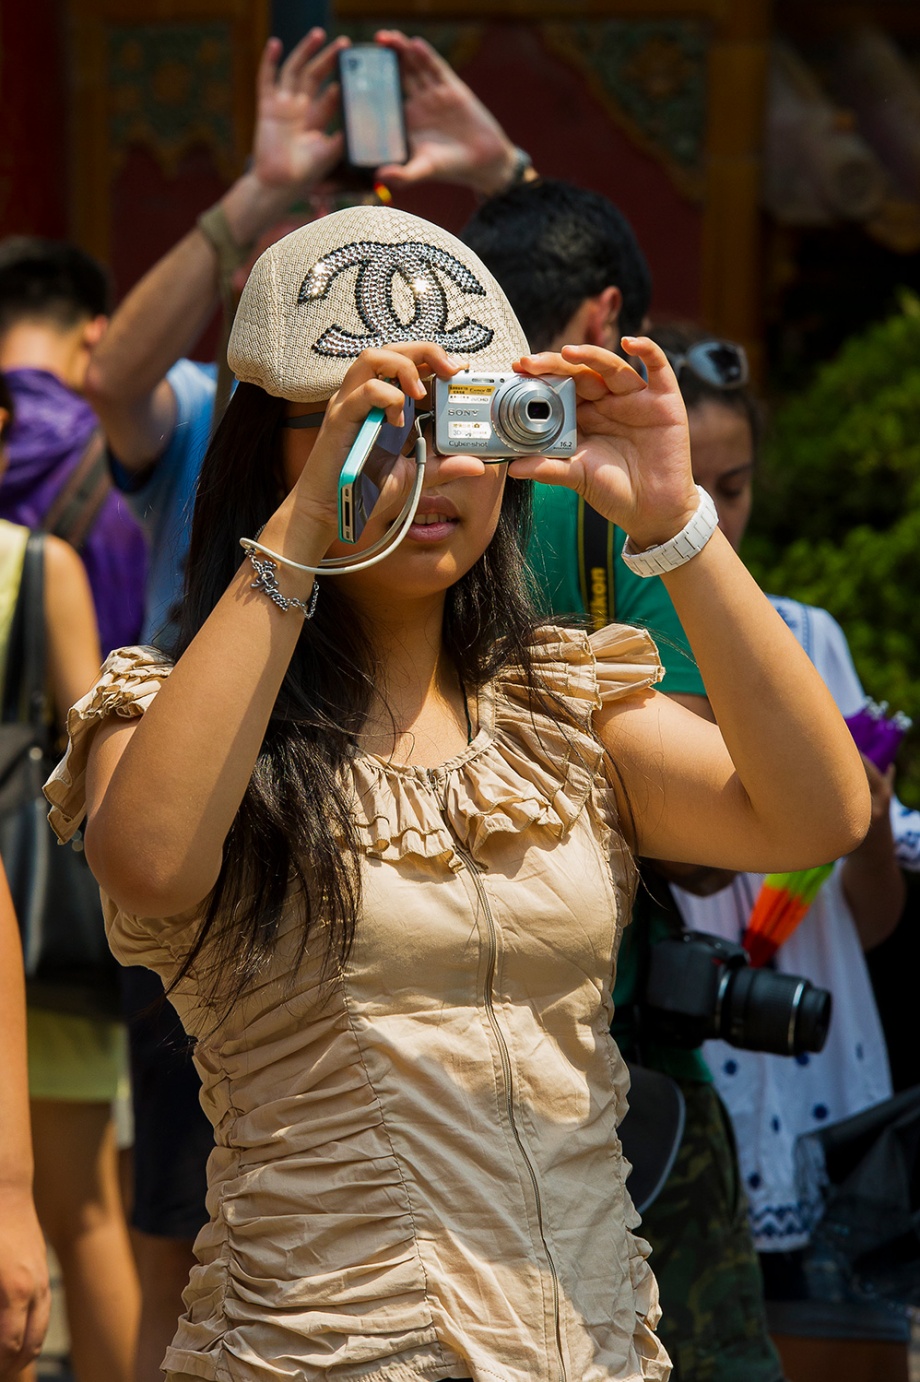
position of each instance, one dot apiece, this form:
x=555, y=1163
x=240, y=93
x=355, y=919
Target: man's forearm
x=166, y=312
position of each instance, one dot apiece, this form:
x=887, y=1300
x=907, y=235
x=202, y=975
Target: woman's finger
x=653, y=357
x=547, y=470
x=619, y=376
x=418, y=169
x=546, y=362
x=383, y=364
x=373, y=393
x=588, y=384
x=422, y=357
x=430, y=358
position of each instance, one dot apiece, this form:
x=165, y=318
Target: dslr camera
x=700, y=986
x=502, y=415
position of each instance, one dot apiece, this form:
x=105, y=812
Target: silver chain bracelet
x=267, y=581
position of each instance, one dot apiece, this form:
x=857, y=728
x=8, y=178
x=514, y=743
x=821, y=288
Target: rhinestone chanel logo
x=418, y=266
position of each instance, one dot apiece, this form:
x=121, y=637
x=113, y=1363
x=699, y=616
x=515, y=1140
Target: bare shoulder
x=62, y=563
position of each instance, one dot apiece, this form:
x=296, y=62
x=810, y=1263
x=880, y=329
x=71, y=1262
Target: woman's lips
x=433, y=526
x=435, y=519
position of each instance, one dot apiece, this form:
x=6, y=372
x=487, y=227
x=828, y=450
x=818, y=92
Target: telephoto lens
x=765, y=1011
x=701, y=986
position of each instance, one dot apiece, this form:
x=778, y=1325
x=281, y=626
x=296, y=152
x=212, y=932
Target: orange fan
x=781, y=904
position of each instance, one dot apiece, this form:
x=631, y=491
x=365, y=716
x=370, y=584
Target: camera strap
x=595, y=565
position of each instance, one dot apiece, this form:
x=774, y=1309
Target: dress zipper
x=474, y=871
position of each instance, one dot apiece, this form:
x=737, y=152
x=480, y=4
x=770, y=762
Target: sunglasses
x=721, y=364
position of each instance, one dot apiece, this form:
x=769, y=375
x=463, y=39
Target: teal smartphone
x=381, y=442
x=352, y=515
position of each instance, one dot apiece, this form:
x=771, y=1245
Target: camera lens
x=761, y=1010
x=527, y=414
x=814, y=1018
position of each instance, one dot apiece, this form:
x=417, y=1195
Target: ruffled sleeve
x=128, y=682
x=548, y=758
x=625, y=660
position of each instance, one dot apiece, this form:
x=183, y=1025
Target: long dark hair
x=294, y=835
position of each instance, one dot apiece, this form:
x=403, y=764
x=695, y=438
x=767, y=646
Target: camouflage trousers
x=713, y=1322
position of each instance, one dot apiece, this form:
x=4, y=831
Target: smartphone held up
x=372, y=109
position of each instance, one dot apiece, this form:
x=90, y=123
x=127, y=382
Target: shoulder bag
x=68, y=964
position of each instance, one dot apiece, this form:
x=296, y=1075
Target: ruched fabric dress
x=416, y=1170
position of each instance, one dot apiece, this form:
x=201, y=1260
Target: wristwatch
x=681, y=548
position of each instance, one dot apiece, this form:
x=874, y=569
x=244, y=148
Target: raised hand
x=633, y=459
x=379, y=378
x=291, y=148
x=452, y=136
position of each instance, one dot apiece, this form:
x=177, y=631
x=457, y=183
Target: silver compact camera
x=503, y=414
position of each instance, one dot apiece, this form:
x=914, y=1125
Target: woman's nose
x=440, y=470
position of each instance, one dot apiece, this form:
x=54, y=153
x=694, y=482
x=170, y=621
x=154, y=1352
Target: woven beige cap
x=366, y=276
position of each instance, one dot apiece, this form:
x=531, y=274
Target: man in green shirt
x=571, y=267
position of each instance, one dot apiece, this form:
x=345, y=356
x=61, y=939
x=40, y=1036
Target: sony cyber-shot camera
x=501, y=415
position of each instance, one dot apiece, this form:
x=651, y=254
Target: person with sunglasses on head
x=378, y=841
x=573, y=271
x=832, y=1331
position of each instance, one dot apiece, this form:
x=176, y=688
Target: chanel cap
x=366, y=276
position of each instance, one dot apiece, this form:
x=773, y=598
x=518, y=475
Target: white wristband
x=685, y=545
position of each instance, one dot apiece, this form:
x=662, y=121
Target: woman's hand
x=633, y=459
x=25, y=1298
x=378, y=379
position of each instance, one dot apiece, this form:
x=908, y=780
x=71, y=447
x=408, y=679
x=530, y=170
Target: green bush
x=837, y=515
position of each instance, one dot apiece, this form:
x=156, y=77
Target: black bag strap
x=25, y=696
x=595, y=565
x=76, y=506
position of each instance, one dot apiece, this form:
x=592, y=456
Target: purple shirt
x=51, y=427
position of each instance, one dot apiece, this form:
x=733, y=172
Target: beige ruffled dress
x=416, y=1170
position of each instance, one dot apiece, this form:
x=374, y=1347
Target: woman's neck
x=419, y=713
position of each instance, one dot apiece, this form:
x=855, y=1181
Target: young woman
x=824, y=1327
x=382, y=855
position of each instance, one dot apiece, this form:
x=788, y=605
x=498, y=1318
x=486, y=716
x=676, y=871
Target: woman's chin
x=415, y=571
